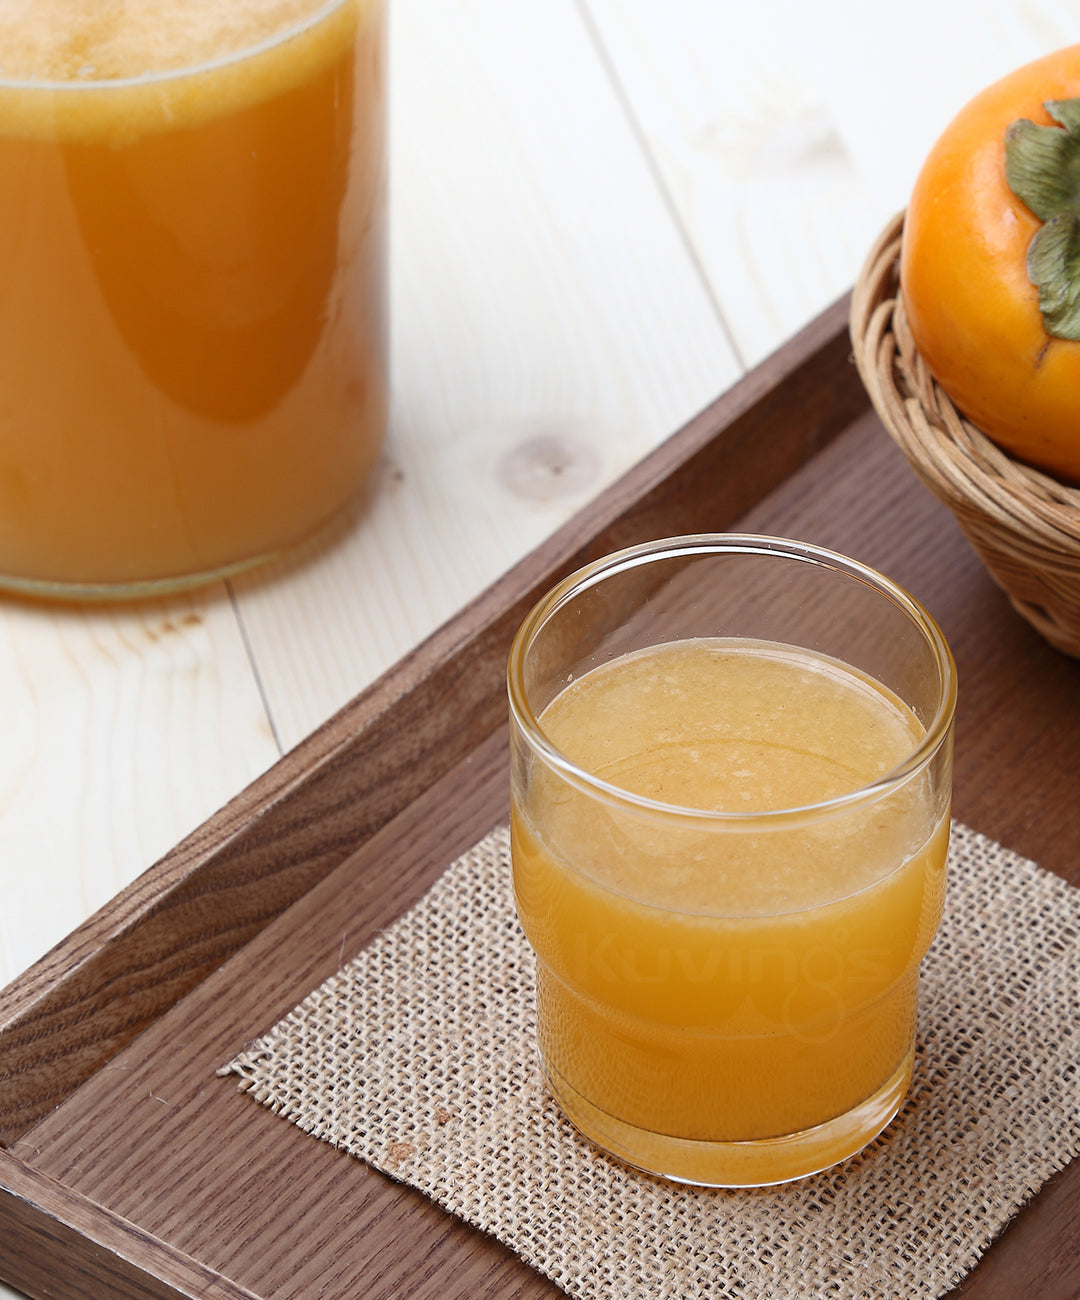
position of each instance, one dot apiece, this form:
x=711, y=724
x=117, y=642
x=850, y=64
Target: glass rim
x=280, y=37
x=935, y=735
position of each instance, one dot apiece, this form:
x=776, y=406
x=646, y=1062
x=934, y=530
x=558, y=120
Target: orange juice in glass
x=192, y=261
x=731, y=780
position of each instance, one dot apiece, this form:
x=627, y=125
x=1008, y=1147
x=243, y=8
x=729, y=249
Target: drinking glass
x=731, y=769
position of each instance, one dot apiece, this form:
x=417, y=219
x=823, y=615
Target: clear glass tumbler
x=731, y=764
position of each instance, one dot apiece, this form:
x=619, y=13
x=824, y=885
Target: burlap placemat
x=418, y=1057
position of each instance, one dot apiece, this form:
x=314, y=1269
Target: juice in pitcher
x=729, y=858
x=192, y=262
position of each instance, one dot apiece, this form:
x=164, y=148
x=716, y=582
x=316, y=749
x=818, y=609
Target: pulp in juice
x=192, y=266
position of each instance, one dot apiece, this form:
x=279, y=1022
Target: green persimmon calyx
x=1042, y=167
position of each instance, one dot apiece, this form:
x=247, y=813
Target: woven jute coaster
x=418, y=1057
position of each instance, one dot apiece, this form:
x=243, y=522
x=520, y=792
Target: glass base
x=135, y=589
x=758, y=1163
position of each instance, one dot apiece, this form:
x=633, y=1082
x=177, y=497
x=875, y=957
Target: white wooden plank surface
x=787, y=133
x=602, y=210
x=120, y=731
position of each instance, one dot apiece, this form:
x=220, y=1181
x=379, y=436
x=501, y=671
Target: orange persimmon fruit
x=991, y=280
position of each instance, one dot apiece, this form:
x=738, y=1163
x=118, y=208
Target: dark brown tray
x=129, y=1169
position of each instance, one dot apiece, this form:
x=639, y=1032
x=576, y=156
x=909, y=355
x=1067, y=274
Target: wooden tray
x=129, y=1169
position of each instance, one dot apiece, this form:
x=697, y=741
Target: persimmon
x=990, y=262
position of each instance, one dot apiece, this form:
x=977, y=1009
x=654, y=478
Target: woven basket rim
x=1024, y=523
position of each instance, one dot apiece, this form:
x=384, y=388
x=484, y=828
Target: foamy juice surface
x=81, y=41
x=732, y=726
x=77, y=71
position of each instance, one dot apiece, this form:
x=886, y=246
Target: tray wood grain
x=130, y=1169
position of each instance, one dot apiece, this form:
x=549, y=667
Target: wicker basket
x=1024, y=525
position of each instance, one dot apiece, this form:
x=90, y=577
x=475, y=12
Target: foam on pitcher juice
x=69, y=40
x=167, y=48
